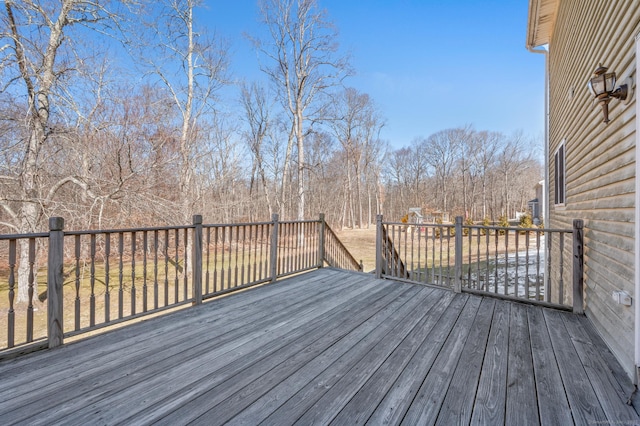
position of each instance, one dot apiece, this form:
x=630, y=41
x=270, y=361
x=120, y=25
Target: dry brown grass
x=361, y=243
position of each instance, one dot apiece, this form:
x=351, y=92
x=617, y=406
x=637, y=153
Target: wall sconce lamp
x=603, y=86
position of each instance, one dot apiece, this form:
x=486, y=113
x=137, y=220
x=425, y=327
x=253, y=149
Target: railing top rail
x=299, y=221
x=148, y=229
x=510, y=228
x=517, y=228
x=220, y=225
x=123, y=230
x=449, y=225
x=22, y=236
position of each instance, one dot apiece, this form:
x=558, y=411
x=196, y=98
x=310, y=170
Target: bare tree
x=37, y=52
x=443, y=150
x=486, y=145
x=192, y=67
x=302, y=49
x=257, y=116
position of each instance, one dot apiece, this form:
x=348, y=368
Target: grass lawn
x=361, y=243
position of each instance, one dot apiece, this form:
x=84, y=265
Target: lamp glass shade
x=597, y=85
x=610, y=81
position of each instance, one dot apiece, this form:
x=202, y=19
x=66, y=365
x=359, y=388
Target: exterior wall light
x=603, y=86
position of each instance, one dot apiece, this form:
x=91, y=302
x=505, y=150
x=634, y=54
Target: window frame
x=560, y=178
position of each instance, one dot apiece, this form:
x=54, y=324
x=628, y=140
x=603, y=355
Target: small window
x=560, y=174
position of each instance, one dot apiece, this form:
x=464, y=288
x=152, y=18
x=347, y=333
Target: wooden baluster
x=176, y=278
x=215, y=259
x=537, y=263
x=224, y=249
x=31, y=281
x=252, y=255
x=133, y=273
x=469, y=248
x=435, y=230
x=11, y=317
x=120, y=275
x=230, y=257
x=107, y=292
x=244, y=239
x=185, y=268
x=273, y=253
x=166, y=267
x=77, y=283
x=578, y=266
x=296, y=246
x=517, y=265
x=294, y=243
x=506, y=262
x=478, y=259
x=145, y=247
x=155, y=269
x=207, y=259
x=495, y=267
x=284, y=242
x=263, y=248
x=92, y=282
x=487, y=235
x=526, y=268
x=237, y=257
x=419, y=253
x=451, y=233
x=292, y=238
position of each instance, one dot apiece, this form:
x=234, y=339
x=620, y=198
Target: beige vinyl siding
x=600, y=159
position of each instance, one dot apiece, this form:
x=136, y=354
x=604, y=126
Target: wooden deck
x=329, y=347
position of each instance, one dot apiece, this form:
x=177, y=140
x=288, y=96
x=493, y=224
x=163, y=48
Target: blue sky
x=428, y=65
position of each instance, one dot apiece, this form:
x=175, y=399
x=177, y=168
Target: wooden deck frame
x=329, y=347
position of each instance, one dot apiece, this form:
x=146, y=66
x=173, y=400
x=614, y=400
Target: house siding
x=600, y=159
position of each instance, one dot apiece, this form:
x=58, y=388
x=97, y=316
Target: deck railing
x=541, y=266
x=336, y=253
x=80, y=281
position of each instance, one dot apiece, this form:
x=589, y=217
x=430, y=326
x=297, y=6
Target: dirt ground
x=361, y=243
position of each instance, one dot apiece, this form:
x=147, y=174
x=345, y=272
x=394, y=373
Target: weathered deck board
x=346, y=374
x=297, y=378
x=398, y=400
x=427, y=403
x=606, y=386
x=521, y=387
x=185, y=360
x=457, y=407
x=252, y=381
x=492, y=387
x=553, y=406
x=367, y=398
x=328, y=347
x=581, y=395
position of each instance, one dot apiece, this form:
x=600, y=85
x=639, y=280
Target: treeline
x=111, y=115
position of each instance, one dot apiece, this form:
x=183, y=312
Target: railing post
x=578, y=266
x=274, y=249
x=457, y=282
x=197, y=259
x=321, y=235
x=55, y=279
x=379, y=246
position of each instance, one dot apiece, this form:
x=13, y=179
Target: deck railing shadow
x=75, y=282
x=542, y=266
